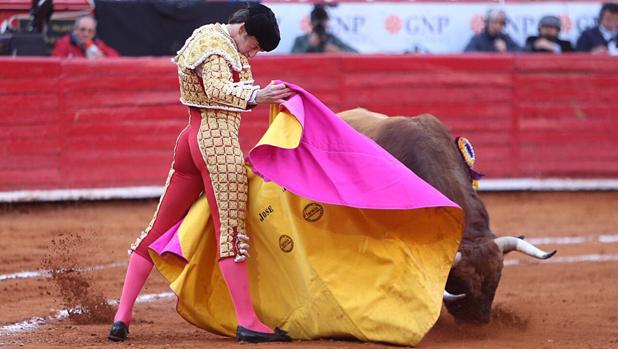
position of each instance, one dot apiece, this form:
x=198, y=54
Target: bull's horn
x=507, y=244
x=448, y=297
x=457, y=259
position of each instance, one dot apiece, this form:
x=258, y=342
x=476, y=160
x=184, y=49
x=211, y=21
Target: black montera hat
x=262, y=24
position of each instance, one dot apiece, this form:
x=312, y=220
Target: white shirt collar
x=607, y=35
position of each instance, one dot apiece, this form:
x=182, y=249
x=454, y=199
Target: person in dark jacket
x=548, y=39
x=320, y=40
x=82, y=42
x=493, y=38
x=603, y=38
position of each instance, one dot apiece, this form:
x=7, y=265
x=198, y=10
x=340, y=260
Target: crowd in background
x=600, y=39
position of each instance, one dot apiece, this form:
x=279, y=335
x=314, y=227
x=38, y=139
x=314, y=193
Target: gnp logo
x=305, y=24
x=477, y=23
x=567, y=24
x=349, y=24
x=525, y=24
x=417, y=25
x=393, y=24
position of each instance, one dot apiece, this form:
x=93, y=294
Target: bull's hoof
x=119, y=332
x=247, y=335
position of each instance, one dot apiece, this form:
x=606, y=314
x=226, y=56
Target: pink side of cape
x=169, y=242
x=335, y=164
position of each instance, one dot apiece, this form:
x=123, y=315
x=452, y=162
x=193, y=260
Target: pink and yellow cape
x=345, y=240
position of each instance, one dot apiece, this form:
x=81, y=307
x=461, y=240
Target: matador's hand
x=273, y=94
x=242, y=248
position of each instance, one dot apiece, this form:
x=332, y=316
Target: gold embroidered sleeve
x=219, y=85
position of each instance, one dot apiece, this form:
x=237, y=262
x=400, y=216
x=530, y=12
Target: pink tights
x=189, y=179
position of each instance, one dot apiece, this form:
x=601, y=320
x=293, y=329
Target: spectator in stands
x=493, y=38
x=82, y=42
x=603, y=38
x=319, y=39
x=548, y=40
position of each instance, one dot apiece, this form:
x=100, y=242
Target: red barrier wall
x=113, y=123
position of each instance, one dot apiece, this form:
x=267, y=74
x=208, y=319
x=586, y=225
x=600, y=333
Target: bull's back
x=422, y=143
x=364, y=121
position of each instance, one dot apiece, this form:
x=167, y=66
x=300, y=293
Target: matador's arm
x=219, y=86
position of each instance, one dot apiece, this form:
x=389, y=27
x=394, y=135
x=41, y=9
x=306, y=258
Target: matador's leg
x=183, y=187
x=217, y=149
x=221, y=152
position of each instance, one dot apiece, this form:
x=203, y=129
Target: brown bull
x=424, y=145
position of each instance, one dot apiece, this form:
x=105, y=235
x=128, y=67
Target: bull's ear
x=507, y=244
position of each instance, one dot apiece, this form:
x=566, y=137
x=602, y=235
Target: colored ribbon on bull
x=469, y=156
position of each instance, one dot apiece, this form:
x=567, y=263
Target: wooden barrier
x=113, y=123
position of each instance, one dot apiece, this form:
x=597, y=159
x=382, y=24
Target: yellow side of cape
x=319, y=270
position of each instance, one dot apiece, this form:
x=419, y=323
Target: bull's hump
x=361, y=113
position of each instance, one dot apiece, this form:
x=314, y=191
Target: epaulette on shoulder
x=208, y=40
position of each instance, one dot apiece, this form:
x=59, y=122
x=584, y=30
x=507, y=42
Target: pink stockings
x=188, y=179
x=235, y=275
x=137, y=272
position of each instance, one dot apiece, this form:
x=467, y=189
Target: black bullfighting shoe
x=246, y=335
x=119, y=332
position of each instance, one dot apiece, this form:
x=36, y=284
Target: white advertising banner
x=428, y=27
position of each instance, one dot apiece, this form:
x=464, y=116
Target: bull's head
x=476, y=273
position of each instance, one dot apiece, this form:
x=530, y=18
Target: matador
x=216, y=85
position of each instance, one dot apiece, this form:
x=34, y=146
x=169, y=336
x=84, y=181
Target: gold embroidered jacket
x=226, y=82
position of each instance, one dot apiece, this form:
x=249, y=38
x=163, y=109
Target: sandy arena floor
x=569, y=301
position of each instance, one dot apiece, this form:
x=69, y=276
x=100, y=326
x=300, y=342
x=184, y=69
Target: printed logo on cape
x=286, y=244
x=265, y=213
x=313, y=212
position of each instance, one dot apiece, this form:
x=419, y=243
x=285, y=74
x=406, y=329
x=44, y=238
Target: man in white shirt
x=603, y=38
